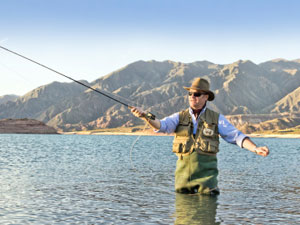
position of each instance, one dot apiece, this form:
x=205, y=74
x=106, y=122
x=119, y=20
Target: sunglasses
x=196, y=94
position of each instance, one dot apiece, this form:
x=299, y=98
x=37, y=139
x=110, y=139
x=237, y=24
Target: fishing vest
x=205, y=141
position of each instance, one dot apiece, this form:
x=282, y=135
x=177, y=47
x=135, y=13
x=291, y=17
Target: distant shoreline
x=116, y=133
x=152, y=133
x=274, y=135
x=25, y=126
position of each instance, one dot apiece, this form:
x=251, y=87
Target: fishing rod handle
x=147, y=115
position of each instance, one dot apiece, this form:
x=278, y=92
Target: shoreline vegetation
x=141, y=130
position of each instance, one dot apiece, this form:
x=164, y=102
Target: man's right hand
x=155, y=123
x=138, y=112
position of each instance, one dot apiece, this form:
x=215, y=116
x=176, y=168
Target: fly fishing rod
x=148, y=115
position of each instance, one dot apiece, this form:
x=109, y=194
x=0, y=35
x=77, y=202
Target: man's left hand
x=263, y=151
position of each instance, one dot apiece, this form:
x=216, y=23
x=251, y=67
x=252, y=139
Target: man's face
x=196, y=101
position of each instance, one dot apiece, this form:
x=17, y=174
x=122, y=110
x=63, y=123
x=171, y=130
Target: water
x=61, y=179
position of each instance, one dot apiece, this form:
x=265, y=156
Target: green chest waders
x=196, y=168
x=196, y=173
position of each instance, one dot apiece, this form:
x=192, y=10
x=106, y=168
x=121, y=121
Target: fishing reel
x=149, y=116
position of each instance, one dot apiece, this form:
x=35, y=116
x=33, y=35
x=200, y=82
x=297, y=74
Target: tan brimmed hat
x=201, y=85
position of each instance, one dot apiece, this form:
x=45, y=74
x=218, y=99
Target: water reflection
x=196, y=209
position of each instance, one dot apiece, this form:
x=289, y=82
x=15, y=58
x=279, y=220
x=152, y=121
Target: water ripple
x=57, y=179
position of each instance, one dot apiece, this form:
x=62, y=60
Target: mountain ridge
x=7, y=98
x=241, y=87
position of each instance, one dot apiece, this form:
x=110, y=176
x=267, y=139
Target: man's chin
x=196, y=106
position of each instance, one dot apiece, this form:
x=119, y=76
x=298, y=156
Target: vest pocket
x=209, y=130
x=183, y=130
x=213, y=147
x=208, y=146
x=180, y=146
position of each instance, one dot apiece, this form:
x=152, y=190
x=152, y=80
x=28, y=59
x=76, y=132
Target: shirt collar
x=192, y=114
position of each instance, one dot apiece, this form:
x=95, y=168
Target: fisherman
x=196, y=142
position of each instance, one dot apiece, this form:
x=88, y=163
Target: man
x=196, y=143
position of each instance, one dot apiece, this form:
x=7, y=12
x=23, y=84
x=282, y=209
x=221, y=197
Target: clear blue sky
x=88, y=39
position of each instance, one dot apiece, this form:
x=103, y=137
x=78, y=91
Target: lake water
x=73, y=179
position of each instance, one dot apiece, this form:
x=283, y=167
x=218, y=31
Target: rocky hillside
x=6, y=98
x=250, y=123
x=24, y=126
x=242, y=87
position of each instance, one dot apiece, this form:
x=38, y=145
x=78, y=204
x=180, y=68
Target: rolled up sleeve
x=229, y=133
x=169, y=124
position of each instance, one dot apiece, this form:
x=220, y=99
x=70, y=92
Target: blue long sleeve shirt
x=227, y=131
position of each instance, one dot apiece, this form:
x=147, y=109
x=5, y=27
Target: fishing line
x=61, y=74
x=151, y=176
x=134, y=143
x=16, y=73
x=3, y=40
x=147, y=115
x=131, y=149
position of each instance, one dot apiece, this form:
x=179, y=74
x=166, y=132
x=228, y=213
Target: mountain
x=242, y=87
x=260, y=122
x=43, y=103
x=6, y=98
x=289, y=103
